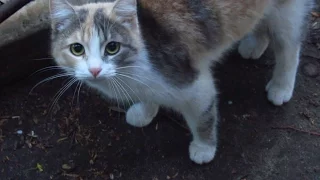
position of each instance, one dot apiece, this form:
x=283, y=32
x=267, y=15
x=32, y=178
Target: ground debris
x=309, y=115
x=298, y=130
x=69, y=166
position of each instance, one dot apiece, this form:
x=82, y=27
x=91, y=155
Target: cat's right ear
x=61, y=12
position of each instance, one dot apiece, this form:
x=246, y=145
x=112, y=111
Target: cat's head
x=96, y=40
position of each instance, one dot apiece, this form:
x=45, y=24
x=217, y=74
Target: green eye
x=112, y=48
x=77, y=49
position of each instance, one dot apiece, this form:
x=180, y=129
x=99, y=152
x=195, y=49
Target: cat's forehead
x=98, y=17
x=90, y=12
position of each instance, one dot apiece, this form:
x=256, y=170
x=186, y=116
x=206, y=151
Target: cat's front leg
x=202, y=118
x=141, y=114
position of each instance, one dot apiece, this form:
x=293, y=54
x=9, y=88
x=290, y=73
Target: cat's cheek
x=82, y=70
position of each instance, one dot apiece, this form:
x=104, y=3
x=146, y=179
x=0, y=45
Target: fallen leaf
x=39, y=167
x=62, y=139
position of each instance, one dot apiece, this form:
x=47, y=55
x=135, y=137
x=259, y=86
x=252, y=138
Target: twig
x=9, y=117
x=179, y=124
x=298, y=130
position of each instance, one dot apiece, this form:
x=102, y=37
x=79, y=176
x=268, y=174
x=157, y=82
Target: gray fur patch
x=74, y=23
x=167, y=55
x=207, y=126
x=106, y=26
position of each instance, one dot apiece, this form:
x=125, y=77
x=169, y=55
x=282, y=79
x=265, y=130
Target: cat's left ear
x=126, y=12
x=61, y=12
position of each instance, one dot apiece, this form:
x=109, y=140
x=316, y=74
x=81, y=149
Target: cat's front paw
x=140, y=114
x=279, y=93
x=201, y=153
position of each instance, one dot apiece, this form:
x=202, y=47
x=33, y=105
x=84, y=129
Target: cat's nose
x=95, y=71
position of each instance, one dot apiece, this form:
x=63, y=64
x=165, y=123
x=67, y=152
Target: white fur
x=287, y=23
x=141, y=114
x=253, y=46
x=284, y=22
x=201, y=153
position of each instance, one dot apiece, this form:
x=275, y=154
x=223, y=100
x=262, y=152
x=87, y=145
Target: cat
x=152, y=53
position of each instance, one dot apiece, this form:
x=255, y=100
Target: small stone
x=66, y=167
x=69, y=166
x=310, y=70
x=230, y=102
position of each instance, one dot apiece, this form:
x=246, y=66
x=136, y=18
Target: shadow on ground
x=86, y=138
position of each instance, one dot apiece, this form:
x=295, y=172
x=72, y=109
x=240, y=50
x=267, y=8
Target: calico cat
x=153, y=53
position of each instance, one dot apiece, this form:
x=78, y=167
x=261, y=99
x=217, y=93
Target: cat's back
x=203, y=24
x=205, y=20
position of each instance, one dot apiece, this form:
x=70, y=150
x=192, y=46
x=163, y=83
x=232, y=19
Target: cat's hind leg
x=253, y=45
x=141, y=114
x=286, y=29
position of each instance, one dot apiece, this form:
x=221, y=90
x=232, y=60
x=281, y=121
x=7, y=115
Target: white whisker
x=75, y=91
x=121, y=89
x=125, y=90
x=152, y=90
x=116, y=87
x=78, y=99
x=61, y=92
x=50, y=78
x=129, y=88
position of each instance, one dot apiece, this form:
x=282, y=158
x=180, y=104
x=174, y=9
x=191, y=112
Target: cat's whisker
x=78, y=99
x=49, y=79
x=116, y=94
x=133, y=102
x=141, y=76
x=119, y=93
x=124, y=92
x=52, y=68
x=137, y=80
x=129, y=88
x=61, y=92
x=75, y=91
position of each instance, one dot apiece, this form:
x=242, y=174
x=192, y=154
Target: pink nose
x=95, y=71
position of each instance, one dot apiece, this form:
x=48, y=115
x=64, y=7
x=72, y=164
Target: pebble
x=69, y=166
x=310, y=69
x=111, y=176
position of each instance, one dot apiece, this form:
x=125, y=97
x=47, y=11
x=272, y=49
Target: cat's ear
x=61, y=12
x=126, y=12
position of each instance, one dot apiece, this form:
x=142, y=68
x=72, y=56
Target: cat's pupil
x=112, y=46
x=77, y=48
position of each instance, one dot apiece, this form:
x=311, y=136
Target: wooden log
x=11, y=7
x=26, y=21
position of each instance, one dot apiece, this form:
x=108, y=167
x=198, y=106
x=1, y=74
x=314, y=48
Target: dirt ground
x=84, y=137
